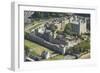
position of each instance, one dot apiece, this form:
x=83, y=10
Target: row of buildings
x=80, y=23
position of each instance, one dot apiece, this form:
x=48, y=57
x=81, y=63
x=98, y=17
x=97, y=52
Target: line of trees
x=48, y=14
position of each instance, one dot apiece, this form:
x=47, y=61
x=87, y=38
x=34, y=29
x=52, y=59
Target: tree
x=67, y=29
x=26, y=49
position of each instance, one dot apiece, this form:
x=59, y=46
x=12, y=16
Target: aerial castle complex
x=50, y=32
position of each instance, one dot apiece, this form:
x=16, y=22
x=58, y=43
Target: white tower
x=82, y=26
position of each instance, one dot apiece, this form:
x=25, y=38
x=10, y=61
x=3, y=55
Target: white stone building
x=79, y=24
x=45, y=54
x=27, y=17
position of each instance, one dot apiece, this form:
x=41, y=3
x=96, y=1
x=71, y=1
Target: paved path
x=86, y=56
x=69, y=57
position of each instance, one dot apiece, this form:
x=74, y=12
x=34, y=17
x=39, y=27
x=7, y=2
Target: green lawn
x=85, y=44
x=36, y=48
x=83, y=47
x=35, y=24
x=28, y=29
x=58, y=57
